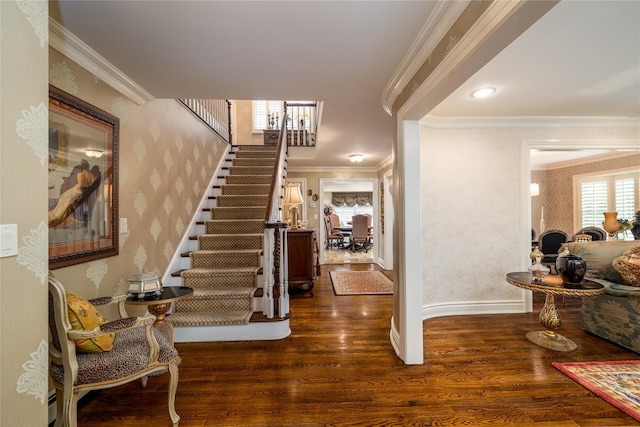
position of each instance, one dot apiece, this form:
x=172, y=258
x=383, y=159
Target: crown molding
x=529, y=121
x=439, y=22
x=582, y=161
x=312, y=169
x=75, y=49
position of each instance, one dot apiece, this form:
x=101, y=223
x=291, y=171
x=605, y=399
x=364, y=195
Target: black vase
x=571, y=268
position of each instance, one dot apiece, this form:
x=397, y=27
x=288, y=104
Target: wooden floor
x=338, y=369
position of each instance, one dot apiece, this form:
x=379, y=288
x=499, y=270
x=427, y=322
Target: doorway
x=368, y=186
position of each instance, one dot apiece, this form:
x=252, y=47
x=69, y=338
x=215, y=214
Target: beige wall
x=243, y=125
x=556, y=191
x=23, y=201
x=473, y=227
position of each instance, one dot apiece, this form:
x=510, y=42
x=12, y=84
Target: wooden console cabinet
x=303, y=259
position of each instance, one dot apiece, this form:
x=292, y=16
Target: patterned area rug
x=360, y=283
x=616, y=382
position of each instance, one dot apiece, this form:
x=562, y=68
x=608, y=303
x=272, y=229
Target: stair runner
x=224, y=269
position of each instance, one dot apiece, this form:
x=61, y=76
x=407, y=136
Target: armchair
x=138, y=350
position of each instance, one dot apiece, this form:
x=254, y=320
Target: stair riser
x=231, y=227
x=235, y=201
x=220, y=304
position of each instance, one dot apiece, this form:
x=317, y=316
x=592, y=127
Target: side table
x=158, y=305
x=549, y=316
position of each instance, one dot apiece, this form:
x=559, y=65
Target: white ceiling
x=581, y=58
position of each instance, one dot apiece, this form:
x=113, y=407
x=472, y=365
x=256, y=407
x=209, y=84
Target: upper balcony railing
x=302, y=123
x=216, y=113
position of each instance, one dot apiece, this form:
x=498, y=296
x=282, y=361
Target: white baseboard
x=250, y=332
x=472, y=307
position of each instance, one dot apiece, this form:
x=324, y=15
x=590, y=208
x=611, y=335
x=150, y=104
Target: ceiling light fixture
x=483, y=93
x=91, y=152
x=356, y=158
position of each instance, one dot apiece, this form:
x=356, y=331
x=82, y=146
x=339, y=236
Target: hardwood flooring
x=338, y=369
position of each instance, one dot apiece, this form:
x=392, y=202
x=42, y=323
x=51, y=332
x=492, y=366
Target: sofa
x=615, y=315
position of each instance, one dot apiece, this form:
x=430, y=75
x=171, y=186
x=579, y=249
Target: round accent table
x=158, y=305
x=549, y=317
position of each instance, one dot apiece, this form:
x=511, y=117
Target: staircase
x=225, y=271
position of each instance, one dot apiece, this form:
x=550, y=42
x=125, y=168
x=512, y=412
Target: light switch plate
x=8, y=240
x=124, y=226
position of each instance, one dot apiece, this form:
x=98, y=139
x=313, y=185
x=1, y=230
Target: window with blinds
x=262, y=110
x=615, y=192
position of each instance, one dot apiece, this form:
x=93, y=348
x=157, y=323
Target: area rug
x=360, y=283
x=616, y=382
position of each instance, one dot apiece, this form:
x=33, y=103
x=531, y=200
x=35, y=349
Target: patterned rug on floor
x=616, y=382
x=360, y=283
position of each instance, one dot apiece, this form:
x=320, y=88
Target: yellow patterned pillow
x=84, y=316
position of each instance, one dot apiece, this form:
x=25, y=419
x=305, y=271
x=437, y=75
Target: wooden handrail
x=273, y=190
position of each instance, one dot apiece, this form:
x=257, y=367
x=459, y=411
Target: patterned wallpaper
x=556, y=191
x=24, y=31
x=167, y=159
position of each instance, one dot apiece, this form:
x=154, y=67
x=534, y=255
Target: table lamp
x=293, y=197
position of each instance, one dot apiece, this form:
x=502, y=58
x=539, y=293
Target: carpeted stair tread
x=209, y=318
x=253, y=162
x=218, y=300
x=243, y=154
x=252, y=170
x=248, y=179
x=223, y=213
x=220, y=242
x=237, y=200
x=230, y=258
x=221, y=278
x=241, y=226
x=245, y=190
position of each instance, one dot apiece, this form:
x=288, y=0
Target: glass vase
x=610, y=224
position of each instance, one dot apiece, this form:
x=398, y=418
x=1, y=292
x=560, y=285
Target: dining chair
x=595, y=233
x=550, y=242
x=360, y=233
x=334, y=239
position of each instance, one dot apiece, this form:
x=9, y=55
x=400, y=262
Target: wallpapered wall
x=167, y=159
x=556, y=191
x=24, y=31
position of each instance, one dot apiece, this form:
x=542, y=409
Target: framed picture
x=83, y=181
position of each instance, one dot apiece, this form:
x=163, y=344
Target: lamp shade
x=293, y=195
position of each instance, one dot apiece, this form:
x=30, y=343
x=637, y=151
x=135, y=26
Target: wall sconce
x=91, y=152
x=293, y=197
x=356, y=158
x=535, y=189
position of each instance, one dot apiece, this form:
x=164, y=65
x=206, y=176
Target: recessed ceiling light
x=483, y=93
x=356, y=158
